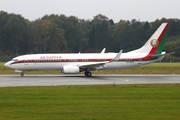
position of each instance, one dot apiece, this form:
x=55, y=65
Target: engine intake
x=70, y=69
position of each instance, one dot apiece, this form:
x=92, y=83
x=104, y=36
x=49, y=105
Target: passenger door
x=26, y=61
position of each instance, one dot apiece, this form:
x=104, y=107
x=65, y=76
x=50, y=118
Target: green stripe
x=161, y=46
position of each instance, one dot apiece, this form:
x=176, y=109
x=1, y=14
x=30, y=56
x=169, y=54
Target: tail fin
x=155, y=44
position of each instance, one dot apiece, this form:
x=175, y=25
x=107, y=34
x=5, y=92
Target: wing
x=93, y=65
x=99, y=65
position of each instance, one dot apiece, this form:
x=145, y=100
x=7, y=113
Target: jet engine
x=70, y=69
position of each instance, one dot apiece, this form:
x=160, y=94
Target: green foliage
x=13, y=33
x=59, y=33
x=46, y=37
x=173, y=45
x=150, y=102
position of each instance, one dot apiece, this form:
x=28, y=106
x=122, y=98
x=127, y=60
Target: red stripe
x=154, y=49
x=72, y=60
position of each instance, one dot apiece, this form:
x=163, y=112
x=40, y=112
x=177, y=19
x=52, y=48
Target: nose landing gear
x=22, y=74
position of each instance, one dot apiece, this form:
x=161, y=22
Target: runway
x=80, y=79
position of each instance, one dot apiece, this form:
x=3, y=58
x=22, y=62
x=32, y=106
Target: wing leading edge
x=99, y=65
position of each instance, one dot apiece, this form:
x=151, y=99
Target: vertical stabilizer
x=155, y=43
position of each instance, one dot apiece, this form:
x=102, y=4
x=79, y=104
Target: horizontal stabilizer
x=163, y=54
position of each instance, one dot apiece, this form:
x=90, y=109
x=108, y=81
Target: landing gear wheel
x=88, y=74
x=22, y=74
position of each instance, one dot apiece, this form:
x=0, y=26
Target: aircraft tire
x=22, y=74
x=88, y=74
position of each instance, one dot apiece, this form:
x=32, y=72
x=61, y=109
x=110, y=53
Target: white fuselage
x=57, y=61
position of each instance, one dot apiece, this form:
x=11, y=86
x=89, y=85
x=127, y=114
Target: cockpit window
x=15, y=60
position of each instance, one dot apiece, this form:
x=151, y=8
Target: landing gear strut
x=88, y=74
x=22, y=74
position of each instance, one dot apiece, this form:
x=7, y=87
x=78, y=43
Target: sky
x=143, y=10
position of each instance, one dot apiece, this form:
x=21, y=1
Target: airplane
x=74, y=63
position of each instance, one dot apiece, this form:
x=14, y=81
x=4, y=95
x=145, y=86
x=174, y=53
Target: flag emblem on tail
x=154, y=43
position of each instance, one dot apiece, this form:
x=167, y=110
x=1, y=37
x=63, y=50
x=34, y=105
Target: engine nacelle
x=70, y=69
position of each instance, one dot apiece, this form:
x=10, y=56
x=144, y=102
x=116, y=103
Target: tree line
x=63, y=34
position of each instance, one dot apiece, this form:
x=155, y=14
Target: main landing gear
x=88, y=74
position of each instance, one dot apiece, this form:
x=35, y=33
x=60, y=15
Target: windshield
x=14, y=60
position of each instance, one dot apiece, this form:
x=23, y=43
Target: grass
x=155, y=68
x=115, y=102
x=157, y=102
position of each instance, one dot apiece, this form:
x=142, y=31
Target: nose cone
x=7, y=64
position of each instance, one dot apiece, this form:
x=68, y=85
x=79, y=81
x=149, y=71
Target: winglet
x=103, y=51
x=118, y=56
